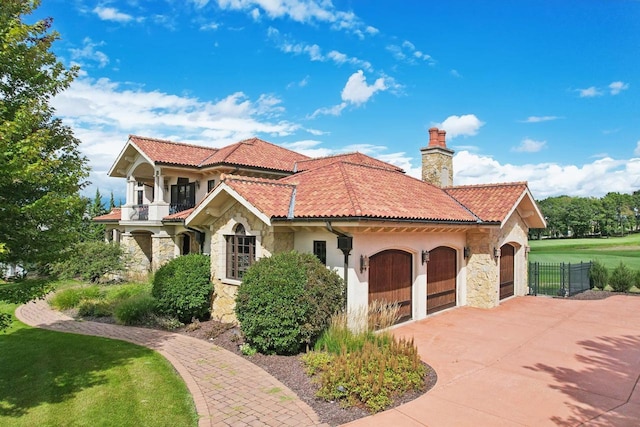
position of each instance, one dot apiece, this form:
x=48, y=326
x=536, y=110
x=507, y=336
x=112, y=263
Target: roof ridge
x=166, y=141
x=255, y=138
x=352, y=194
x=311, y=159
x=495, y=184
x=241, y=178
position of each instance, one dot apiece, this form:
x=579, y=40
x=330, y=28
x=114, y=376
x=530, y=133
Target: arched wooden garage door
x=390, y=279
x=441, y=279
x=507, y=253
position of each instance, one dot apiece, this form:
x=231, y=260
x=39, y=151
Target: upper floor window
x=241, y=252
x=320, y=250
x=183, y=195
x=210, y=184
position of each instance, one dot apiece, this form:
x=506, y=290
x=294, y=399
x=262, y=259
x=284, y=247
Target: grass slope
x=610, y=251
x=51, y=379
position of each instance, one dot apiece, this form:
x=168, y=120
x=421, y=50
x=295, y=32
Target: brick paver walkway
x=227, y=389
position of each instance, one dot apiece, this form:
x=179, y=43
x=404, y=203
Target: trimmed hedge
x=183, y=287
x=286, y=301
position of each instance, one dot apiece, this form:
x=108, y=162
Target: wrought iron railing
x=139, y=213
x=558, y=279
x=179, y=207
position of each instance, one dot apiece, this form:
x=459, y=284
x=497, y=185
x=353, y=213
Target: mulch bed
x=594, y=294
x=289, y=370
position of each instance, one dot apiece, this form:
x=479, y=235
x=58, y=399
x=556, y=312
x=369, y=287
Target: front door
x=390, y=279
x=507, y=253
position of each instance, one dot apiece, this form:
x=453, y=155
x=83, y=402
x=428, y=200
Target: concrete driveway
x=533, y=361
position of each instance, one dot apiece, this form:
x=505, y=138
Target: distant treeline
x=612, y=215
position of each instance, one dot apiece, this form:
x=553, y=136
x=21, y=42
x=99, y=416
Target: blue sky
x=542, y=91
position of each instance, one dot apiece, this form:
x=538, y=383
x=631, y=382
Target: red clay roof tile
x=491, y=202
x=357, y=158
x=175, y=153
x=112, y=216
x=269, y=196
x=255, y=152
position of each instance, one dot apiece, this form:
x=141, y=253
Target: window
x=241, y=252
x=183, y=195
x=140, y=197
x=210, y=184
x=320, y=250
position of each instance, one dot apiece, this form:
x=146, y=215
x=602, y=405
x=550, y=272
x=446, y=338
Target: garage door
x=506, y=271
x=390, y=279
x=441, y=279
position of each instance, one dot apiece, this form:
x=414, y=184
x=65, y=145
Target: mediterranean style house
x=425, y=244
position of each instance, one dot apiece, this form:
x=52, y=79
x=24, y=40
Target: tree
x=112, y=202
x=91, y=231
x=41, y=168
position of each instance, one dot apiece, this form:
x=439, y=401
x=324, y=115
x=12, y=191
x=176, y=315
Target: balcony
x=179, y=207
x=139, y=213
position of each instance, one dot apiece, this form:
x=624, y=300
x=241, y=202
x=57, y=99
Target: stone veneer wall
x=164, y=247
x=137, y=249
x=483, y=269
x=224, y=298
x=434, y=160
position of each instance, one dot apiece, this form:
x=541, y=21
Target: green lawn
x=610, y=251
x=52, y=379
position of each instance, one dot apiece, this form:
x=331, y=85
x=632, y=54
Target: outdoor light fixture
x=364, y=263
x=425, y=256
x=467, y=252
x=496, y=252
x=198, y=184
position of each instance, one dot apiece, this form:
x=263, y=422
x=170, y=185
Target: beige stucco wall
x=516, y=233
x=268, y=242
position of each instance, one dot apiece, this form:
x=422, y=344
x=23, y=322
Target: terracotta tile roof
x=491, y=202
x=269, y=196
x=112, y=216
x=176, y=153
x=178, y=216
x=256, y=153
x=357, y=158
x=345, y=189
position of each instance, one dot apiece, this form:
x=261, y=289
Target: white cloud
x=407, y=53
x=551, y=179
x=211, y=26
x=309, y=147
x=357, y=91
x=528, y=145
x=371, y=30
x=465, y=125
x=112, y=14
x=636, y=152
x=199, y=3
x=303, y=11
x=455, y=73
x=335, y=110
x=589, y=92
x=538, y=119
x=89, y=52
x=102, y=112
x=617, y=87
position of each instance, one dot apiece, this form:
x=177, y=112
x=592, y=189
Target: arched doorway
x=507, y=259
x=441, y=279
x=390, y=279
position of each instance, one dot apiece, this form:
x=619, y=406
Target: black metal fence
x=561, y=279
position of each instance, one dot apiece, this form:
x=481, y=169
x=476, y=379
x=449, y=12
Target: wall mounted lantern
x=467, y=252
x=364, y=263
x=496, y=253
x=425, y=257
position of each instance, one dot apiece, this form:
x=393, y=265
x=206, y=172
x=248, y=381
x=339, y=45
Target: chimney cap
x=437, y=137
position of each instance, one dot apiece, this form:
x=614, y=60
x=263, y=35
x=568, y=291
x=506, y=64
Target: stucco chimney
x=437, y=160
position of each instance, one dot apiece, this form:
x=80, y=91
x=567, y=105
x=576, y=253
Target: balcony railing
x=179, y=207
x=139, y=213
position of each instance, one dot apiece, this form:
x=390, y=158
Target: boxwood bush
x=182, y=287
x=286, y=301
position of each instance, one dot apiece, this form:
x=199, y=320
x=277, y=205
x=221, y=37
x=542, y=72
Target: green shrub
x=90, y=260
x=286, y=301
x=598, y=275
x=71, y=297
x=622, y=278
x=382, y=370
x=183, y=287
x=135, y=310
x=636, y=279
x=94, y=308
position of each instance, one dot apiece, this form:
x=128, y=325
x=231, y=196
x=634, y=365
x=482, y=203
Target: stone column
x=163, y=249
x=483, y=269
